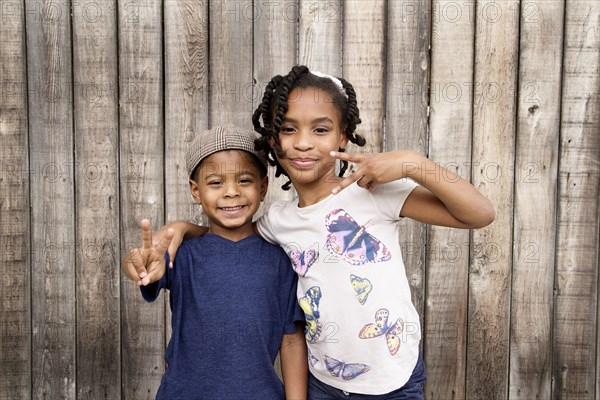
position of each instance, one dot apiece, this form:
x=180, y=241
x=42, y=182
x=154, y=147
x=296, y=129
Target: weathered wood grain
x=95, y=76
x=363, y=66
x=447, y=257
x=576, y=278
x=142, y=185
x=407, y=77
x=52, y=199
x=15, y=259
x=230, y=90
x=494, y=111
x=536, y=160
x=186, y=98
x=320, y=36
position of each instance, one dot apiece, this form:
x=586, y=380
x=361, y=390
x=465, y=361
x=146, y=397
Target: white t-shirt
x=363, y=331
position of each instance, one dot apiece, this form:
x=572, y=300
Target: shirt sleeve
x=151, y=291
x=391, y=196
x=265, y=225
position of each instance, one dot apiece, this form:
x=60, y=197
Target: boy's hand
x=373, y=169
x=146, y=264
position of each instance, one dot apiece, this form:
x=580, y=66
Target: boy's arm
x=444, y=198
x=294, y=365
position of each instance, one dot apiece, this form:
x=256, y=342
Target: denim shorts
x=412, y=390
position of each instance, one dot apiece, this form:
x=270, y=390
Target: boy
x=232, y=295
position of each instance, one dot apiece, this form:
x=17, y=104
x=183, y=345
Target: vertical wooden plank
x=496, y=66
x=52, y=198
x=447, y=256
x=15, y=290
x=186, y=100
x=230, y=90
x=97, y=200
x=275, y=48
x=407, y=76
x=186, y=105
x=576, y=280
x=538, y=120
x=320, y=35
x=363, y=65
x=141, y=179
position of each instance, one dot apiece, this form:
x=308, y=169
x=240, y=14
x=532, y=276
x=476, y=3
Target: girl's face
x=311, y=129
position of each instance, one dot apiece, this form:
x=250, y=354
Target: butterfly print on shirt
x=351, y=241
x=362, y=287
x=303, y=260
x=348, y=371
x=381, y=327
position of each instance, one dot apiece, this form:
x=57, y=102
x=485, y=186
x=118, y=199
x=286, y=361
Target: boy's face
x=230, y=189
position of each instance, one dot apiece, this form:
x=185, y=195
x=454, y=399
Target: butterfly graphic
x=381, y=327
x=351, y=241
x=302, y=261
x=362, y=287
x=339, y=368
x=312, y=359
x=310, y=305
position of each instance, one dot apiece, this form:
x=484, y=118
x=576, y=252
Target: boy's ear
x=264, y=185
x=195, y=192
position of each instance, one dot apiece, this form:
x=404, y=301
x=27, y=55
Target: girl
x=341, y=234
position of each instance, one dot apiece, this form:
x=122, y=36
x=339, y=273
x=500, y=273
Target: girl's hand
x=146, y=264
x=181, y=230
x=443, y=198
x=373, y=169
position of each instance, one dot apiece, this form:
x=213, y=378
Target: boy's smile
x=230, y=188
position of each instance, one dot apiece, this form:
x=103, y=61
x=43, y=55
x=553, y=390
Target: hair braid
x=274, y=105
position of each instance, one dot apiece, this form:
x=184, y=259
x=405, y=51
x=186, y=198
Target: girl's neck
x=312, y=193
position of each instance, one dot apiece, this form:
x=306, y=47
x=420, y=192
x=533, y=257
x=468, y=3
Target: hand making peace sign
x=146, y=264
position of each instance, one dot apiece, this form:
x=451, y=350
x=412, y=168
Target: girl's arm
x=443, y=198
x=294, y=365
x=182, y=230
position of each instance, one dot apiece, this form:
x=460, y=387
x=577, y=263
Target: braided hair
x=274, y=105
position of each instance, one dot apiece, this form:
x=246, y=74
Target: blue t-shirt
x=231, y=304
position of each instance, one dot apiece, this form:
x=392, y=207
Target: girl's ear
x=195, y=192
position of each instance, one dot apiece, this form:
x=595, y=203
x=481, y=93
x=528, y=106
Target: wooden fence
x=98, y=98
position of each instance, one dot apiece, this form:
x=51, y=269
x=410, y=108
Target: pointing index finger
x=146, y=234
x=352, y=157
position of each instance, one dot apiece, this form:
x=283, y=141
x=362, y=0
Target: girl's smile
x=310, y=130
x=304, y=163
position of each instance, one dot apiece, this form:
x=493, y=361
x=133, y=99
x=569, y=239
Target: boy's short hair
x=219, y=138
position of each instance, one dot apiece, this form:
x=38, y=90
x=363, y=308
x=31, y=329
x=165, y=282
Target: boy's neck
x=234, y=235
